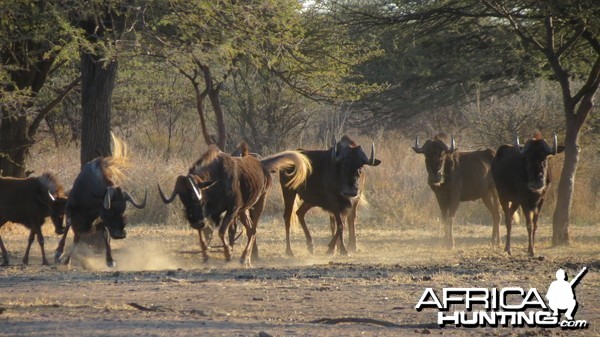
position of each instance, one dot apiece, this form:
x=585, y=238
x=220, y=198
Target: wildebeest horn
x=372, y=159
x=517, y=145
x=108, y=197
x=54, y=199
x=452, y=144
x=416, y=147
x=194, y=188
x=162, y=195
x=555, y=147
x=132, y=201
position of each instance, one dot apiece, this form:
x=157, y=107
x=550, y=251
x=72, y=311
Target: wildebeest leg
x=509, y=210
x=4, y=253
x=109, y=259
x=245, y=259
x=203, y=246
x=529, y=215
x=289, y=197
x=491, y=203
x=40, y=239
x=61, y=244
x=339, y=235
x=255, y=214
x=29, y=242
x=351, y=218
x=450, y=222
x=301, y=212
x=65, y=258
x=227, y=220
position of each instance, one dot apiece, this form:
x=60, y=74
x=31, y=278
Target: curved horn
x=452, y=144
x=165, y=199
x=54, y=199
x=416, y=147
x=132, y=201
x=108, y=197
x=555, y=147
x=372, y=159
x=517, y=145
x=194, y=188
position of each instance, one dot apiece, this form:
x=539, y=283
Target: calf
x=522, y=176
x=456, y=176
x=29, y=201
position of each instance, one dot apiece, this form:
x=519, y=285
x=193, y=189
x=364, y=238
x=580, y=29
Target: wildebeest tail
x=287, y=160
x=115, y=164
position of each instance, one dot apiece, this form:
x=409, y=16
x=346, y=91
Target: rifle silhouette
x=576, y=279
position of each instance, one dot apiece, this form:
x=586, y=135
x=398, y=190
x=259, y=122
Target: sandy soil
x=160, y=287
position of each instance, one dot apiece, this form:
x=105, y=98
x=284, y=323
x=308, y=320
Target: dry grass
x=400, y=201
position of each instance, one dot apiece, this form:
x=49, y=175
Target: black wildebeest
x=29, y=201
x=334, y=185
x=219, y=184
x=522, y=176
x=456, y=176
x=97, y=203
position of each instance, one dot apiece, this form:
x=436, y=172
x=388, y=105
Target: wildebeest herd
x=221, y=189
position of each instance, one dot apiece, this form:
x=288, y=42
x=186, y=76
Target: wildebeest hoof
x=25, y=262
x=111, y=264
x=289, y=253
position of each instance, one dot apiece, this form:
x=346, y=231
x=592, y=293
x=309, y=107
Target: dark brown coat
x=456, y=176
x=29, y=202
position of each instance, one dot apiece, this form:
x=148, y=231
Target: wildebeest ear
x=377, y=161
x=560, y=149
x=110, y=191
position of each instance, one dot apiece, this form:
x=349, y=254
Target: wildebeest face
x=350, y=162
x=188, y=189
x=536, y=153
x=436, y=153
x=113, y=211
x=57, y=213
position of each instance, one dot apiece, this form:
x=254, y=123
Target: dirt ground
x=160, y=287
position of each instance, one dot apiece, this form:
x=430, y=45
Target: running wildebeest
x=456, y=176
x=234, y=185
x=335, y=185
x=522, y=176
x=97, y=203
x=29, y=201
x=184, y=188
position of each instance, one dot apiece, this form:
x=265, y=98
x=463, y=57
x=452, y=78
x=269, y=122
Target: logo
x=511, y=306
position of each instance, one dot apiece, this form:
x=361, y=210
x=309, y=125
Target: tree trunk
x=14, y=145
x=566, y=186
x=97, y=84
x=213, y=95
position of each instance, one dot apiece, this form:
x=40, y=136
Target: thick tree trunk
x=14, y=145
x=213, y=95
x=97, y=84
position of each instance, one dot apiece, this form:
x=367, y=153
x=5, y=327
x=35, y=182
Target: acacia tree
x=32, y=36
x=205, y=42
x=558, y=38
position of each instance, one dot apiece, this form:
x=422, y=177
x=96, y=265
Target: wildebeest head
x=535, y=154
x=349, y=159
x=57, y=211
x=436, y=155
x=188, y=188
x=113, y=209
x=52, y=196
